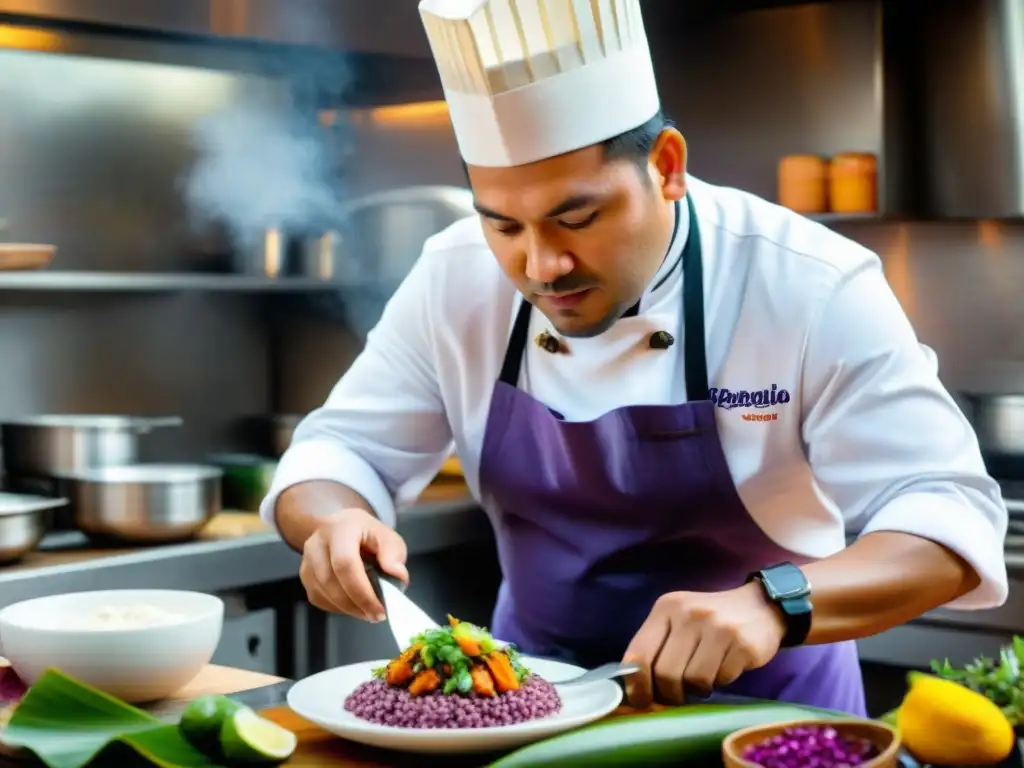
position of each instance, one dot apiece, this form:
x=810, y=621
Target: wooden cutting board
x=223, y=680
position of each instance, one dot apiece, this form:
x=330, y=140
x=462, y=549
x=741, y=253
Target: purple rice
x=380, y=703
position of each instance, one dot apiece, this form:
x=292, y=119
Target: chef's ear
x=668, y=158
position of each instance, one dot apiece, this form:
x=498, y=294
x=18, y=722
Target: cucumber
x=692, y=733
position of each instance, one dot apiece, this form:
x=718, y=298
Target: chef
x=674, y=400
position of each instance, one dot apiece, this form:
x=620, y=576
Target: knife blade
x=404, y=617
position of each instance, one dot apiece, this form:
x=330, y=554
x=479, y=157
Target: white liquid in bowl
x=139, y=616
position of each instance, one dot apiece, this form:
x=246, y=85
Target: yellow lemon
x=946, y=723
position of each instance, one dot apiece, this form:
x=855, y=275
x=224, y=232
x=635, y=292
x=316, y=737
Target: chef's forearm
x=302, y=507
x=883, y=580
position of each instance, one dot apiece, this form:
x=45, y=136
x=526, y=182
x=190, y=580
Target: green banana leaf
x=68, y=724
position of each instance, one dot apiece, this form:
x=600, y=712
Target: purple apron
x=597, y=519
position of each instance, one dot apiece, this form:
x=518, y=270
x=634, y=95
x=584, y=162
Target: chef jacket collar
x=670, y=273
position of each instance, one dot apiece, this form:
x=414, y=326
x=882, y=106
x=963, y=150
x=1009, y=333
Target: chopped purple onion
x=11, y=687
x=811, y=747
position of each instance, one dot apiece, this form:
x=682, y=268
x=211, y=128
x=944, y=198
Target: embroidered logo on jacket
x=728, y=400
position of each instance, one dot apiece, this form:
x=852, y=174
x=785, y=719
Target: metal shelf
x=843, y=218
x=139, y=282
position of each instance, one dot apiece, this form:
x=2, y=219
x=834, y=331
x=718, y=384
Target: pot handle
x=142, y=426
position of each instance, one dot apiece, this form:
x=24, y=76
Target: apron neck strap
x=694, y=350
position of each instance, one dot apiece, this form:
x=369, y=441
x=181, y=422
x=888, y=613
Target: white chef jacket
x=869, y=440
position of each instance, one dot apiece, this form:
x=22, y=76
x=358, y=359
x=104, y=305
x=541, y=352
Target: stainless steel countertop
x=262, y=558
x=226, y=564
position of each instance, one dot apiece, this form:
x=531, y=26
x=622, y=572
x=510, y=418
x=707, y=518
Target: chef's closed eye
x=507, y=229
x=579, y=221
x=574, y=222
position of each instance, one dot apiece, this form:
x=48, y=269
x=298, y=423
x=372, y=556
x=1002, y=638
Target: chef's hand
x=333, y=571
x=701, y=640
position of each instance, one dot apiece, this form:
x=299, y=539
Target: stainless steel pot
x=323, y=257
x=264, y=254
x=386, y=230
x=55, y=445
x=24, y=521
x=144, y=503
x=384, y=235
x=998, y=421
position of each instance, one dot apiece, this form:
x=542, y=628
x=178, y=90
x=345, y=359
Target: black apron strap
x=516, y=346
x=694, y=350
x=693, y=321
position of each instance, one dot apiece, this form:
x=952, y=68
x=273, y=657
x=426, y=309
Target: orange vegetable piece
x=483, y=683
x=452, y=621
x=469, y=646
x=410, y=653
x=399, y=672
x=426, y=681
x=505, y=678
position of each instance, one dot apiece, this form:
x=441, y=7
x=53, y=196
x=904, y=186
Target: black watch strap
x=785, y=585
x=798, y=612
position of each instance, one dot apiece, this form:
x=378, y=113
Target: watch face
x=786, y=581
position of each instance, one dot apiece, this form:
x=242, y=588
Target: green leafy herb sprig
x=440, y=646
x=517, y=662
x=999, y=681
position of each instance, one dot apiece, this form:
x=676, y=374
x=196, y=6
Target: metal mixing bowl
x=145, y=503
x=24, y=521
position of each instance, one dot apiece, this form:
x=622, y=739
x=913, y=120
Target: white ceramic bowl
x=136, y=664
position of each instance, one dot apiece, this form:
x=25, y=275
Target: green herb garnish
x=427, y=655
x=999, y=681
x=465, y=682
x=460, y=658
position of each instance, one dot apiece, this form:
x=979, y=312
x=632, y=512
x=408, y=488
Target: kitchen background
x=155, y=143
x=121, y=146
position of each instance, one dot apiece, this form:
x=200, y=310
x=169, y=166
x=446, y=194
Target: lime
x=202, y=719
x=245, y=737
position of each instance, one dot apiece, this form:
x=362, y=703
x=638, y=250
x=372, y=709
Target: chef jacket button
x=661, y=340
x=549, y=343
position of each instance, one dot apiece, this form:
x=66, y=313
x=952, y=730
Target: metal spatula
x=604, y=672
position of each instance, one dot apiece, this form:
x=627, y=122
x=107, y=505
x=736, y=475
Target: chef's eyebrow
x=488, y=213
x=573, y=203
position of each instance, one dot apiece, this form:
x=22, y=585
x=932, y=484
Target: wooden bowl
x=25, y=256
x=880, y=734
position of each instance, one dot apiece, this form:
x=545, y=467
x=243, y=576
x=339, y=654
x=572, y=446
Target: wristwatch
x=785, y=585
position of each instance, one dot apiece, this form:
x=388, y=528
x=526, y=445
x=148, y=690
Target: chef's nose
x=545, y=263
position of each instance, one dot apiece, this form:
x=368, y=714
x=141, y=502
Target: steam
x=261, y=167
x=264, y=160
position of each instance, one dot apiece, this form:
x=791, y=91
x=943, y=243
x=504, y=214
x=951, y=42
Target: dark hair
x=636, y=144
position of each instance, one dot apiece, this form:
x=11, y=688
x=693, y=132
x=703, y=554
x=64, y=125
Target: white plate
x=321, y=700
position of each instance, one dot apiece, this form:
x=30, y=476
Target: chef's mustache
x=566, y=284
